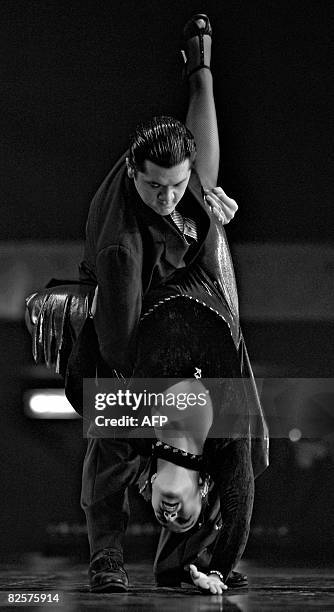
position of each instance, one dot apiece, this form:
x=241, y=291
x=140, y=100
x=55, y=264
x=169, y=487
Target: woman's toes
x=200, y=23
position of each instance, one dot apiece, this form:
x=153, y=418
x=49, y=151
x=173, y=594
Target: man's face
x=161, y=188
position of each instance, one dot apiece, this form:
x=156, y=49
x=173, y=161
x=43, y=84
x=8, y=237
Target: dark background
x=76, y=77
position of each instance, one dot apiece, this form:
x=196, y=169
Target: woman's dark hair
x=164, y=141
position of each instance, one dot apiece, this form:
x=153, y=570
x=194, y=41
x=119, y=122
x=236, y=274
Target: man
x=150, y=220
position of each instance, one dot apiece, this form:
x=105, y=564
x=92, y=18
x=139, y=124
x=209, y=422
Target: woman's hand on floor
x=211, y=583
x=223, y=207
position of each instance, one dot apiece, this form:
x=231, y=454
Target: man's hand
x=211, y=583
x=223, y=207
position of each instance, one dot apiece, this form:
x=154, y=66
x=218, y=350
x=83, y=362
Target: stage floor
x=270, y=588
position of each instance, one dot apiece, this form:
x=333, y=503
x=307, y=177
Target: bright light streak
x=48, y=404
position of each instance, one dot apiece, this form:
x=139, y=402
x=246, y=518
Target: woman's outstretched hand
x=223, y=207
x=211, y=583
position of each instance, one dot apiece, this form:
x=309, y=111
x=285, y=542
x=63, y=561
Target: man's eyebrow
x=149, y=182
x=181, y=181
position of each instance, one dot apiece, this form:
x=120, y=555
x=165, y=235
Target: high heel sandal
x=190, y=30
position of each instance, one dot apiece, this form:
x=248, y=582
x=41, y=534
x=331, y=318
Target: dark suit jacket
x=131, y=249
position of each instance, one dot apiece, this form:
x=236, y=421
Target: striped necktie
x=187, y=227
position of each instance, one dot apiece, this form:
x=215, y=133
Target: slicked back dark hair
x=165, y=141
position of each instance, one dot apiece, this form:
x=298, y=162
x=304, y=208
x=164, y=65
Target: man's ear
x=131, y=172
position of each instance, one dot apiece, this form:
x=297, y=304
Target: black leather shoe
x=236, y=580
x=107, y=574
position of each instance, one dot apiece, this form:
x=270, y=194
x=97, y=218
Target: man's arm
x=118, y=306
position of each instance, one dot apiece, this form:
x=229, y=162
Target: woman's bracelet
x=219, y=574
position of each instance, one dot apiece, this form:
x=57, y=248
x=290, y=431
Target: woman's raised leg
x=201, y=116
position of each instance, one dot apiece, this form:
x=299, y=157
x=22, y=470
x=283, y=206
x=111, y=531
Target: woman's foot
x=197, y=35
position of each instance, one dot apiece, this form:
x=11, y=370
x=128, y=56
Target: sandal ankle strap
x=198, y=68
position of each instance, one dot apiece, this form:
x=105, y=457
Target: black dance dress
x=189, y=325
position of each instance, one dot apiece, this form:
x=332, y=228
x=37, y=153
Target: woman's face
x=176, y=496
